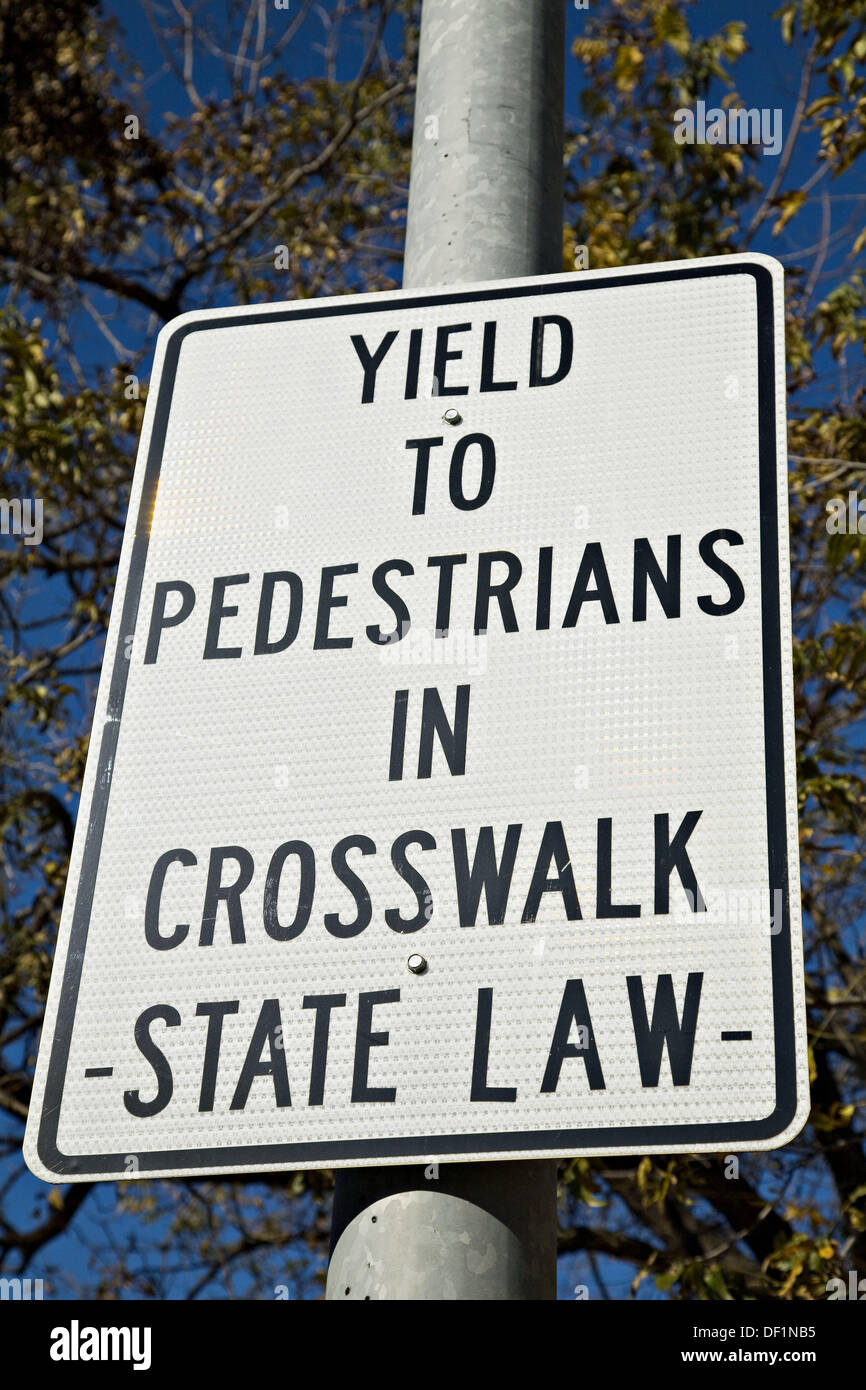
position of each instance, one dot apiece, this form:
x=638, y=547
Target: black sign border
x=539, y=1142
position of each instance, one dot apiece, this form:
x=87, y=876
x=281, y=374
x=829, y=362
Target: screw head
x=452, y=416
x=417, y=964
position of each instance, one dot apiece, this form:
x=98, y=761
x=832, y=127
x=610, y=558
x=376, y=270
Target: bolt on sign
x=441, y=799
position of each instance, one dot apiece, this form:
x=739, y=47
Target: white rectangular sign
x=441, y=797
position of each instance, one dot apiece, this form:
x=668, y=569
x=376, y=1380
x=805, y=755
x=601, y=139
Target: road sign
x=441, y=799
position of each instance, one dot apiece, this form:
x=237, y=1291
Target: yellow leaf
x=790, y=203
x=626, y=67
x=791, y=1280
x=644, y=1169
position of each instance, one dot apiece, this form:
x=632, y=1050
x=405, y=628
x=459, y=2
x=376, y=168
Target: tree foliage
x=103, y=237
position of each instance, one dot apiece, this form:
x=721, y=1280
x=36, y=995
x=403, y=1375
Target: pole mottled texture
x=485, y=203
x=485, y=197
x=468, y=1232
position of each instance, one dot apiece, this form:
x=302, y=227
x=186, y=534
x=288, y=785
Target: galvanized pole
x=485, y=196
x=485, y=203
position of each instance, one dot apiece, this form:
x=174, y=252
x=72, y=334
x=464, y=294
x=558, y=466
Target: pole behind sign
x=485, y=203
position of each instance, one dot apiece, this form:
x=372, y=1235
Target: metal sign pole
x=485, y=203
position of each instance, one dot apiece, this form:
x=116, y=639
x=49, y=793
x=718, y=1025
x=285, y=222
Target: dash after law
x=662, y=1024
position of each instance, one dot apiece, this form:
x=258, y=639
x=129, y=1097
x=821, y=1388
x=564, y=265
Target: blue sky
x=768, y=76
